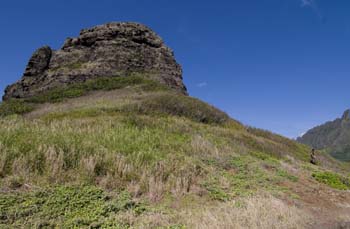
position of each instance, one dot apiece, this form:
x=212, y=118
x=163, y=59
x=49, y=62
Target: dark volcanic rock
x=110, y=50
x=39, y=62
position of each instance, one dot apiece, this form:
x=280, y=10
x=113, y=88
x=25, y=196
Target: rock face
x=332, y=136
x=346, y=115
x=110, y=50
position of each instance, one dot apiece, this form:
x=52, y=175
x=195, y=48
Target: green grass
x=22, y=106
x=101, y=83
x=179, y=105
x=68, y=67
x=119, y=148
x=298, y=150
x=157, y=105
x=333, y=180
x=65, y=207
x=75, y=65
x=101, y=139
x=244, y=176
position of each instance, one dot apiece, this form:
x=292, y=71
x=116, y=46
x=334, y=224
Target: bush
x=286, y=175
x=65, y=207
x=333, y=180
x=180, y=105
x=14, y=106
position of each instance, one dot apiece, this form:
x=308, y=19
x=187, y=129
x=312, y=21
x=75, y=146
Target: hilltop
x=110, y=50
x=103, y=134
x=334, y=137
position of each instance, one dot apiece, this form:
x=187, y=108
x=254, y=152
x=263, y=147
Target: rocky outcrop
x=39, y=62
x=110, y=50
x=346, y=115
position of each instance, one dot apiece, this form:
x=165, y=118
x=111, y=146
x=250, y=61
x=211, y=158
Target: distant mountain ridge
x=333, y=136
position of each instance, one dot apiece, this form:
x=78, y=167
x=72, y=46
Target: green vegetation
x=155, y=105
x=113, y=147
x=333, y=180
x=68, y=67
x=68, y=165
x=73, y=66
x=66, y=207
x=284, y=174
x=298, y=150
x=22, y=106
x=102, y=83
x=179, y=105
x=251, y=175
x=215, y=190
x=245, y=175
x=14, y=107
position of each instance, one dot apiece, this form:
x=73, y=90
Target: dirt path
x=329, y=208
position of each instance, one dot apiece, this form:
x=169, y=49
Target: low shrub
x=333, y=180
x=65, y=207
x=285, y=174
x=14, y=106
x=215, y=191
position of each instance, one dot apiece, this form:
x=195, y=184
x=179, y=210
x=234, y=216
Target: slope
x=133, y=153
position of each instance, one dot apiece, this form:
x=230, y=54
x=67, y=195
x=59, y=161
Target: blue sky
x=281, y=65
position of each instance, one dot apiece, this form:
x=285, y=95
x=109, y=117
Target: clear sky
x=281, y=65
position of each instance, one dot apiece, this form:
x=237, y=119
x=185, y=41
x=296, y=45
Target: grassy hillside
x=127, y=152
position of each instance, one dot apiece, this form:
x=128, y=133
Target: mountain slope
x=333, y=136
x=139, y=153
x=132, y=151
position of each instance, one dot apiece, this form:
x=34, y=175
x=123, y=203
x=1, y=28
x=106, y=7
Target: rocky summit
x=110, y=50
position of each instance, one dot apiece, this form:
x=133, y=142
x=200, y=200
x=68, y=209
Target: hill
x=135, y=151
x=334, y=137
x=110, y=50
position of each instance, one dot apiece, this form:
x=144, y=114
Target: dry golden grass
x=258, y=212
x=255, y=212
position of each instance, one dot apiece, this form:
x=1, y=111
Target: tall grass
x=152, y=155
x=253, y=213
